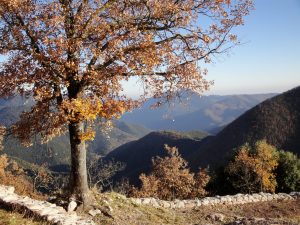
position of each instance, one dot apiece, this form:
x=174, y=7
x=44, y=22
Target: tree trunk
x=78, y=178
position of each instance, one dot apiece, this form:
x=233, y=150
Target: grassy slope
x=13, y=218
x=127, y=213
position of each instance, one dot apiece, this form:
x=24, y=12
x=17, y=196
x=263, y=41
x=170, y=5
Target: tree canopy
x=171, y=178
x=72, y=56
x=58, y=49
x=253, y=168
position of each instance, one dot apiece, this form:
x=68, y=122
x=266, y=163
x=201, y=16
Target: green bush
x=288, y=172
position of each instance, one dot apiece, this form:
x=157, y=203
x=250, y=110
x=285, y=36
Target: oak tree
x=72, y=57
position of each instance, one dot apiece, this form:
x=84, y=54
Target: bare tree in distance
x=100, y=172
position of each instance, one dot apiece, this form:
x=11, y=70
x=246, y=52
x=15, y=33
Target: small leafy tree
x=252, y=169
x=201, y=180
x=171, y=178
x=288, y=172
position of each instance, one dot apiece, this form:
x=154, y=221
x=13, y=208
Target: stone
x=146, y=201
x=94, y=212
x=190, y=205
x=58, y=215
x=137, y=201
x=198, y=203
x=179, y=205
x=10, y=198
x=72, y=206
x=165, y=204
x=155, y=204
x=11, y=189
x=219, y=217
x=54, y=214
x=205, y=202
x=153, y=201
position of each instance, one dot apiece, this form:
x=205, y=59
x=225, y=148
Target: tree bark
x=78, y=177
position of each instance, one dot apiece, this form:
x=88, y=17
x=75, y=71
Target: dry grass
x=124, y=212
x=14, y=218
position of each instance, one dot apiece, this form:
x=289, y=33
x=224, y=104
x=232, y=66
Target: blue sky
x=269, y=59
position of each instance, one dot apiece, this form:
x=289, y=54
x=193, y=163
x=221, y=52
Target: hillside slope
x=56, y=152
x=137, y=155
x=277, y=120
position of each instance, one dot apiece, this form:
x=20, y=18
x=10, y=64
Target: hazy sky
x=269, y=59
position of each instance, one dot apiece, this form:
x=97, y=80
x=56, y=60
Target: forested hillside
x=277, y=120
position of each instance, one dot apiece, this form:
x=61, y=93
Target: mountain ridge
x=277, y=120
x=205, y=113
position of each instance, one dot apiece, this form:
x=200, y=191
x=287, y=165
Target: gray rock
x=137, y=201
x=165, y=204
x=94, y=212
x=179, y=205
x=53, y=213
x=72, y=206
x=146, y=200
x=11, y=189
x=216, y=217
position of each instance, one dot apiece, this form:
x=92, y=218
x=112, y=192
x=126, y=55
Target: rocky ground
x=116, y=209
x=120, y=210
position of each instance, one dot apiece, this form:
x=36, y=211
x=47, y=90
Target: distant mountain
x=207, y=113
x=122, y=133
x=137, y=155
x=57, y=150
x=277, y=120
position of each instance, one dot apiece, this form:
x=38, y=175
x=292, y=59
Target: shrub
x=13, y=175
x=252, y=169
x=171, y=178
x=288, y=172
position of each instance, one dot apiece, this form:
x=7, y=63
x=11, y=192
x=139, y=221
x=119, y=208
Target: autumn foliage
x=72, y=57
x=252, y=169
x=171, y=178
x=13, y=175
